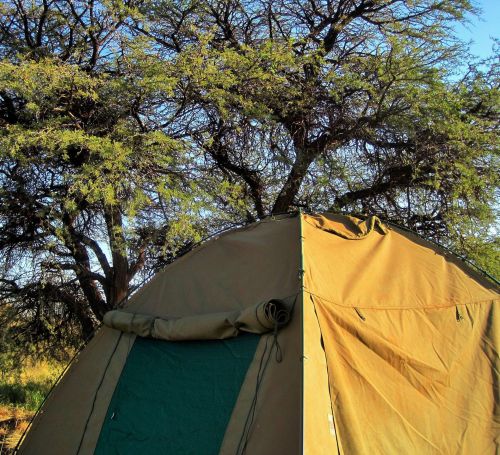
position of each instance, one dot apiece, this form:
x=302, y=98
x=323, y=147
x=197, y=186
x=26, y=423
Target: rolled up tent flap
x=261, y=318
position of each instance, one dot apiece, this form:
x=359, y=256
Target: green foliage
x=28, y=369
x=28, y=396
x=129, y=131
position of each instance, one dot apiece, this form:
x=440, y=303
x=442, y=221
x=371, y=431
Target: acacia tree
x=92, y=201
x=344, y=105
x=131, y=128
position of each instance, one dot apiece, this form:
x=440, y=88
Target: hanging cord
x=279, y=352
x=242, y=444
x=281, y=317
x=277, y=312
x=122, y=303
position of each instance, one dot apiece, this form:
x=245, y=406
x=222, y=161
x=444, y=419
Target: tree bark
x=305, y=153
x=292, y=185
x=120, y=275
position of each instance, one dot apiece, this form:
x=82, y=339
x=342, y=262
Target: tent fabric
x=348, y=227
x=260, y=318
x=233, y=271
x=237, y=270
x=417, y=381
x=73, y=413
x=392, y=346
x=410, y=341
x=396, y=270
x=193, y=385
x=270, y=391
x=319, y=425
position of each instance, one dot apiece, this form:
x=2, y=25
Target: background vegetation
x=131, y=129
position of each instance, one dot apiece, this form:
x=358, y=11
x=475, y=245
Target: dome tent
x=314, y=334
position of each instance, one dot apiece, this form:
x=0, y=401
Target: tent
x=314, y=334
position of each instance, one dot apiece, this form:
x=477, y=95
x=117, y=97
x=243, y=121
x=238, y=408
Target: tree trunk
x=120, y=276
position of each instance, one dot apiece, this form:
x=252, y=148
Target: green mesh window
x=176, y=397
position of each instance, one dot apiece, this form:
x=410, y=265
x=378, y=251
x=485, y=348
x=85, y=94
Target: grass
x=28, y=387
x=13, y=423
x=21, y=393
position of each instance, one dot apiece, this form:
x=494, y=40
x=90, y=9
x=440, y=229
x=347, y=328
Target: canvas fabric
x=411, y=344
x=260, y=318
x=392, y=346
x=73, y=413
x=275, y=425
x=229, y=273
x=184, y=405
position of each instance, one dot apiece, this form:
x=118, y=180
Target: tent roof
x=389, y=268
x=392, y=343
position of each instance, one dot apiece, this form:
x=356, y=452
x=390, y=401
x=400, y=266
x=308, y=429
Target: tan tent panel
x=230, y=273
x=391, y=347
x=409, y=338
x=63, y=424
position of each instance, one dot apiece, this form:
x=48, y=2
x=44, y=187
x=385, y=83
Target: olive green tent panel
x=229, y=273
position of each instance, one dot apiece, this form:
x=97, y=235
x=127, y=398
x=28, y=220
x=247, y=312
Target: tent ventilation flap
x=261, y=318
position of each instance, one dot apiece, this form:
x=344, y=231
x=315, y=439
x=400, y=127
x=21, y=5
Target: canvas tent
x=315, y=334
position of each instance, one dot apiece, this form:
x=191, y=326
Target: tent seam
x=97, y=392
x=200, y=246
x=452, y=305
x=302, y=290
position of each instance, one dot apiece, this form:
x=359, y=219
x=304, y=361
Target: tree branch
x=101, y=257
x=220, y=154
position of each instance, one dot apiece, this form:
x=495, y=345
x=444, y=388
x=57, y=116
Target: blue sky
x=481, y=29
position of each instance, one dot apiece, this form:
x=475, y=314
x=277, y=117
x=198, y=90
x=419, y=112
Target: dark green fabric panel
x=176, y=397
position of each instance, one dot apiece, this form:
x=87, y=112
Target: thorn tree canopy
x=130, y=128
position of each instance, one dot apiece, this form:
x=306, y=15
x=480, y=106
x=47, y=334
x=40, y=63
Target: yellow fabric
x=393, y=270
x=320, y=432
x=347, y=227
x=411, y=342
x=413, y=381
